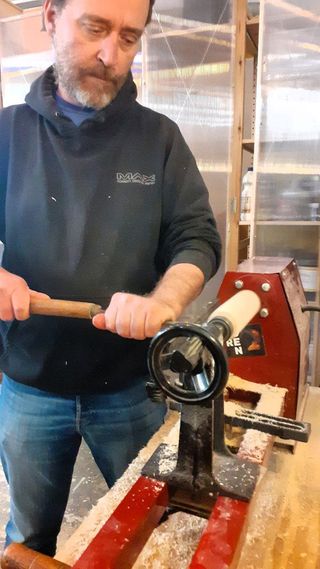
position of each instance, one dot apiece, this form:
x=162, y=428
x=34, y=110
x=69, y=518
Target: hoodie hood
x=41, y=98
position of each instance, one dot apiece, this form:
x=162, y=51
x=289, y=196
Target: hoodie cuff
x=207, y=264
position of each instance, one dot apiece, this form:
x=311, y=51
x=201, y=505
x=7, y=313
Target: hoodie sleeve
x=4, y=160
x=189, y=232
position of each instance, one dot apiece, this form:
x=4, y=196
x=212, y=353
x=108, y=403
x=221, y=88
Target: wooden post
x=7, y=9
x=240, y=18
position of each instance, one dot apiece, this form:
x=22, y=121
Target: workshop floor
x=87, y=487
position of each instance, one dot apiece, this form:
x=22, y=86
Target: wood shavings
x=172, y=544
x=236, y=382
x=168, y=459
x=254, y=443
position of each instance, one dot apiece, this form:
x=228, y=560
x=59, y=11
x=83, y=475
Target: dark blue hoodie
x=88, y=211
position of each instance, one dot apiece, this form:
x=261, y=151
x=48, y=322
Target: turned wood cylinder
x=18, y=556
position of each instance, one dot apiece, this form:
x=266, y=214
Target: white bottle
x=246, y=195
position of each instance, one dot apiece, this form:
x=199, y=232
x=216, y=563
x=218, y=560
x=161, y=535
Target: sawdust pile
x=172, y=544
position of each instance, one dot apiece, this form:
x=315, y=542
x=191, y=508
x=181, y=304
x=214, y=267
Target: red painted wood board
x=120, y=540
x=219, y=541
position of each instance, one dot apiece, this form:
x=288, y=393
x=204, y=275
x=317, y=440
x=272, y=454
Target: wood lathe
x=199, y=477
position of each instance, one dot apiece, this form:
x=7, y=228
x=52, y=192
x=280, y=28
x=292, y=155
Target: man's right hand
x=15, y=296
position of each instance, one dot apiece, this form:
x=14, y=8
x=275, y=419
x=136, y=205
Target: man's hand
x=140, y=317
x=15, y=297
x=133, y=316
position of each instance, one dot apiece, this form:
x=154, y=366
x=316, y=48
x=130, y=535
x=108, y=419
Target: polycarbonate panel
x=187, y=76
x=299, y=242
x=288, y=157
x=25, y=51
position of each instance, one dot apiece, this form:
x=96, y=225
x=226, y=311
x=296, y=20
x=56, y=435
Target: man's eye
x=129, y=40
x=93, y=30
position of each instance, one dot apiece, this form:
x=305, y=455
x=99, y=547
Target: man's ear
x=49, y=16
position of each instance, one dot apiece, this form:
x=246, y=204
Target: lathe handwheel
x=208, y=373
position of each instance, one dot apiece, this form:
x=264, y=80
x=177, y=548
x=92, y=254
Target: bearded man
x=99, y=198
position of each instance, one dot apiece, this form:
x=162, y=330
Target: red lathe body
x=279, y=354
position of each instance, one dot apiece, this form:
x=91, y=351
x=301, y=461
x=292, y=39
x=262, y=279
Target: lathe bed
x=173, y=543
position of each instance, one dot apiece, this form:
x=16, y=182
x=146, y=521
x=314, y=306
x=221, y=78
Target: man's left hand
x=133, y=316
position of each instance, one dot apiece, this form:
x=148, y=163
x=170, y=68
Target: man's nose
x=108, y=52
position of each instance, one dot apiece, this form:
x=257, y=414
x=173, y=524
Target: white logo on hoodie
x=136, y=178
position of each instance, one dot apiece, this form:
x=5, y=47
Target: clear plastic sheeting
x=288, y=127
x=287, y=143
x=25, y=51
x=187, y=53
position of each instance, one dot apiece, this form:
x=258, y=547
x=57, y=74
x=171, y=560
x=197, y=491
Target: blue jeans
x=40, y=435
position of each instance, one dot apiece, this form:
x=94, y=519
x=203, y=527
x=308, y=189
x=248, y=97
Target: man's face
x=95, y=42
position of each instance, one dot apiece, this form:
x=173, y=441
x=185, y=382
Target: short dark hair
x=61, y=3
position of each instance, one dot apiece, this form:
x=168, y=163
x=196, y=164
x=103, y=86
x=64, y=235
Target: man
x=100, y=199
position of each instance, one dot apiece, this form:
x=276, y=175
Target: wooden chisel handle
x=18, y=556
x=69, y=308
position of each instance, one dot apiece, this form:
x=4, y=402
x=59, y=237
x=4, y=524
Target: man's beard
x=73, y=78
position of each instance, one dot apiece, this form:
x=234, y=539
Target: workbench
x=284, y=524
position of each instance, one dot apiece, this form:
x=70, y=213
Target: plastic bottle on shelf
x=314, y=211
x=246, y=195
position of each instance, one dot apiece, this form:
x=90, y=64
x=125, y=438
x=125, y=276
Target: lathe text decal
x=249, y=343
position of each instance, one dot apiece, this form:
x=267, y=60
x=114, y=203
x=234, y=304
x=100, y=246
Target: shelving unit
x=284, y=147
x=287, y=149
x=245, y=54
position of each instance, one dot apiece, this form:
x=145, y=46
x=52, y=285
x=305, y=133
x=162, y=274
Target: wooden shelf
x=252, y=36
x=283, y=222
x=244, y=242
x=278, y=222
x=248, y=144
x=253, y=29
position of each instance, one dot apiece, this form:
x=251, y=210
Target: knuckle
x=122, y=328
x=120, y=297
x=21, y=314
x=6, y=315
x=123, y=332
x=138, y=332
x=116, y=296
x=151, y=329
x=109, y=324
